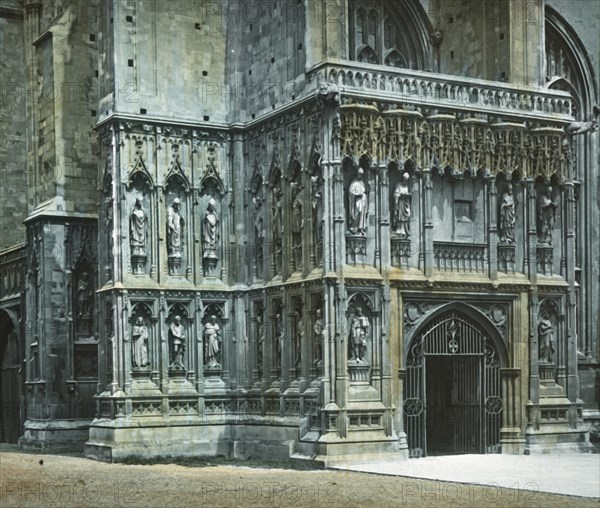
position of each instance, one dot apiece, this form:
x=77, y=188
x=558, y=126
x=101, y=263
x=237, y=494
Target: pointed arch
x=472, y=314
x=567, y=58
x=211, y=182
x=396, y=34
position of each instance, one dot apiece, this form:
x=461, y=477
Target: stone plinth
x=356, y=249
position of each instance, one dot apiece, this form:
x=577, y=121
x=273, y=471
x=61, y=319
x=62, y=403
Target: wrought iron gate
x=471, y=378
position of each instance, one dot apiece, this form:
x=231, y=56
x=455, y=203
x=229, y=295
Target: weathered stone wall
x=267, y=45
x=13, y=168
x=169, y=60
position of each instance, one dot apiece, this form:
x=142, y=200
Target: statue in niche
x=260, y=340
x=546, y=217
x=212, y=342
x=359, y=331
x=177, y=341
x=138, y=236
x=507, y=216
x=278, y=338
x=210, y=234
x=297, y=224
x=259, y=240
x=84, y=296
x=317, y=216
x=277, y=226
x=85, y=303
x=402, y=207
x=138, y=223
x=299, y=337
x=545, y=339
x=174, y=229
x=139, y=336
x=358, y=204
x=318, y=338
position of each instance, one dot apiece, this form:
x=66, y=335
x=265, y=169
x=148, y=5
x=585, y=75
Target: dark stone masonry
x=325, y=229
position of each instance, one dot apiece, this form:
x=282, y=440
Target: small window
x=463, y=211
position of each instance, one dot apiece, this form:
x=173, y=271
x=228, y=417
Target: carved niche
x=546, y=214
x=176, y=192
x=357, y=208
x=296, y=213
x=258, y=226
x=138, y=199
x=278, y=336
x=140, y=337
x=316, y=189
x=360, y=337
x=212, y=192
x=298, y=335
x=277, y=224
x=259, y=335
x=177, y=332
x=212, y=334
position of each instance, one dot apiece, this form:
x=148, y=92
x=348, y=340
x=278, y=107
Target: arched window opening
x=396, y=35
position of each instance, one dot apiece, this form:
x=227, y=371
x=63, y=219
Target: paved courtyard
x=32, y=480
x=572, y=474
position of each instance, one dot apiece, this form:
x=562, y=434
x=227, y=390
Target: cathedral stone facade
x=326, y=230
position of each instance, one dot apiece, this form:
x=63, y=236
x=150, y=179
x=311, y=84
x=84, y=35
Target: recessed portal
x=452, y=396
x=454, y=409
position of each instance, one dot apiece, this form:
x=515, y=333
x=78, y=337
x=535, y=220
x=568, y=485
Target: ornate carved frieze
x=464, y=142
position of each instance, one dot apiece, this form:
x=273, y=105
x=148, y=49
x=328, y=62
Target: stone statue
x=299, y=338
x=212, y=340
x=317, y=216
x=297, y=224
x=174, y=229
x=259, y=234
x=507, y=216
x=318, y=338
x=358, y=204
x=545, y=339
x=138, y=229
x=260, y=340
x=84, y=296
x=546, y=217
x=139, y=336
x=210, y=233
x=278, y=338
x=359, y=331
x=402, y=207
x=177, y=340
x=277, y=227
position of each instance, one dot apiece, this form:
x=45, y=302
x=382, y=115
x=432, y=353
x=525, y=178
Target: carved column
x=534, y=375
x=571, y=316
x=427, y=191
x=199, y=346
x=561, y=349
x=384, y=218
x=531, y=255
x=492, y=227
x=126, y=342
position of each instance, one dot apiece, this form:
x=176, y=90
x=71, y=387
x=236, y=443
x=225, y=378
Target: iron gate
x=471, y=376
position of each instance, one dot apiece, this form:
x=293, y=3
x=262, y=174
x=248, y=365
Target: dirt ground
x=28, y=479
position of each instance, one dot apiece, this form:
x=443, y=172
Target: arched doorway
x=452, y=390
x=10, y=383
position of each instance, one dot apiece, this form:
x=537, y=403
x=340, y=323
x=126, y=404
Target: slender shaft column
x=428, y=258
x=492, y=228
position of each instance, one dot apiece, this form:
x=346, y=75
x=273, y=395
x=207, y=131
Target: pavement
x=571, y=474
